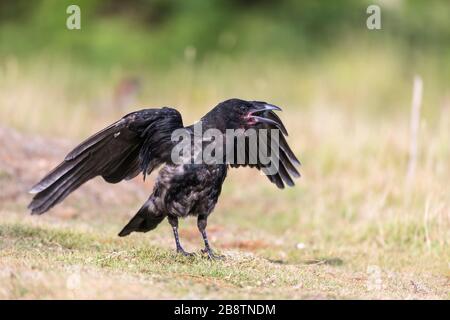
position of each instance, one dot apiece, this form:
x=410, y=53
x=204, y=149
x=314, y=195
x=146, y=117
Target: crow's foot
x=185, y=253
x=212, y=255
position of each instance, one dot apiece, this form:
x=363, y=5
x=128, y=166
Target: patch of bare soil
x=247, y=245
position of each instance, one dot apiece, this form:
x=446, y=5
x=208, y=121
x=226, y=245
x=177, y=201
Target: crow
x=142, y=141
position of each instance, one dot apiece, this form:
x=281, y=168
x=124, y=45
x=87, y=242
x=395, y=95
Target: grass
x=351, y=228
x=73, y=264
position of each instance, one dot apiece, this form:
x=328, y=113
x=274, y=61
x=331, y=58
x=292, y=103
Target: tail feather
x=144, y=220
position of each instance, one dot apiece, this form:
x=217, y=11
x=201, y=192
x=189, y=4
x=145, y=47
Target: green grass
x=57, y=256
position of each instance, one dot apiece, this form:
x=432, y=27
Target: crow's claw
x=213, y=256
x=185, y=253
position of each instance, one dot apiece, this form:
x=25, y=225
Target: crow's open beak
x=261, y=107
x=267, y=115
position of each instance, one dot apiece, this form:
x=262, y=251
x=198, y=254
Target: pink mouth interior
x=250, y=119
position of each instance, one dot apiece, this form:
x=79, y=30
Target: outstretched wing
x=266, y=149
x=139, y=142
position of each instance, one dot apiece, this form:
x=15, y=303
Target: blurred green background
x=156, y=33
x=191, y=53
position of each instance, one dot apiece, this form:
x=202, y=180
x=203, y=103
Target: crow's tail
x=146, y=219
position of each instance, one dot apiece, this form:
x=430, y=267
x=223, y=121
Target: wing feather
x=280, y=155
x=140, y=141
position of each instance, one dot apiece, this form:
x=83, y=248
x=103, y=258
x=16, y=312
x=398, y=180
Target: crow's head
x=242, y=114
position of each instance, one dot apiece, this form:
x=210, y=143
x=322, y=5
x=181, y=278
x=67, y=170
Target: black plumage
x=142, y=141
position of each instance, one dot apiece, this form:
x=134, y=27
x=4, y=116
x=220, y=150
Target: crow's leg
x=201, y=223
x=174, y=223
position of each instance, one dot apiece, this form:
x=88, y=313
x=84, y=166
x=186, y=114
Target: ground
x=351, y=228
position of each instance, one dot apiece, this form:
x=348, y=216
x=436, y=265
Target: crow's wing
x=273, y=146
x=139, y=142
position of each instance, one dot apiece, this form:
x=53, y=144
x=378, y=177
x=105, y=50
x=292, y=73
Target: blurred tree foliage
x=159, y=32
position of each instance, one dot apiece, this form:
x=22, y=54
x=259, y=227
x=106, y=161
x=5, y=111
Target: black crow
x=143, y=140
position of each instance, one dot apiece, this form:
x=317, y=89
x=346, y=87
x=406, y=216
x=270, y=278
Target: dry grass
x=351, y=228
